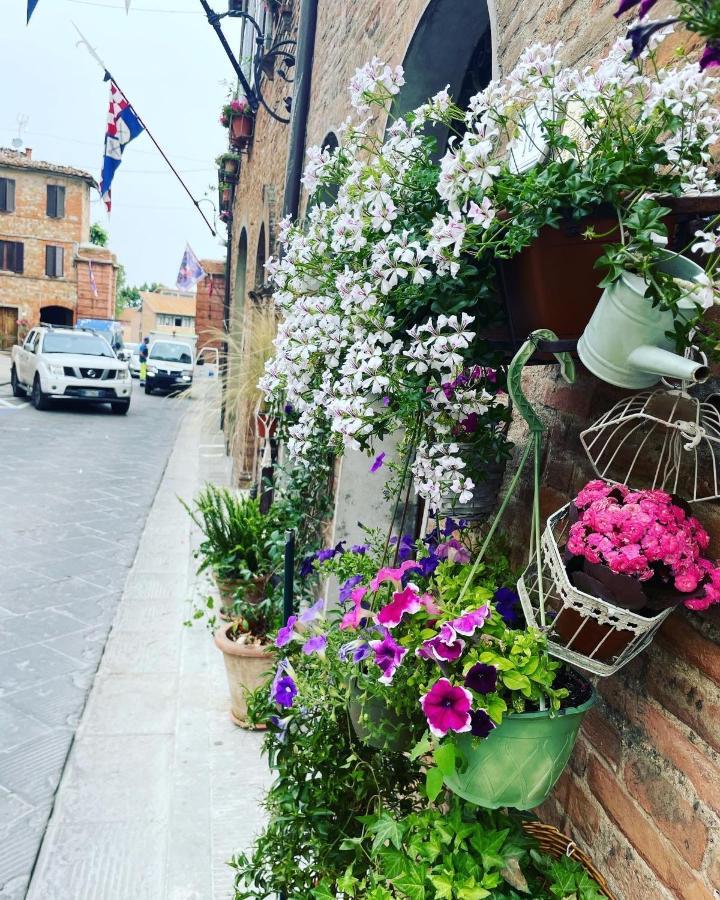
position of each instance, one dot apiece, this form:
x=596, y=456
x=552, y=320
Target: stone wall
x=641, y=791
x=99, y=303
x=209, y=309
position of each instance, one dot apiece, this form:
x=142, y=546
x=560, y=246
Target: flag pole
x=109, y=77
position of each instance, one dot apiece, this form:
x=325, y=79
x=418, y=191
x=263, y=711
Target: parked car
x=134, y=364
x=74, y=364
x=170, y=366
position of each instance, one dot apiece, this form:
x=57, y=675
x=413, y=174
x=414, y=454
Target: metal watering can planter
x=625, y=342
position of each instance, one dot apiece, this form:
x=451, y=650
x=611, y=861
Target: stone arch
x=452, y=45
x=57, y=314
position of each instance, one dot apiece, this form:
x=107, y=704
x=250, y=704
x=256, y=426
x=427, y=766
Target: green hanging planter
x=520, y=761
x=376, y=725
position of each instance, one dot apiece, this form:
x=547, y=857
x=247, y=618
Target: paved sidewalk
x=160, y=788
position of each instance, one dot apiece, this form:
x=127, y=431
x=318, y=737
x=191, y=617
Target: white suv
x=74, y=364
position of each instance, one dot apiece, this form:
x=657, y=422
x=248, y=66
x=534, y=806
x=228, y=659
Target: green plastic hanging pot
x=518, y=764
x=376, y=724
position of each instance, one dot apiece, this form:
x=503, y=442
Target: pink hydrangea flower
x=447, y=708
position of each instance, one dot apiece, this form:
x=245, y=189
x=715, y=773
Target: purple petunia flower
x=288, y=408
x=447, y=708
x=315, y=644
x=480, y=723
x=470, y=621
x=286, y=633
x=506, y=601
x=377, y=463
x=346, y=588
x=330, y=552
x=312, y=612
x=450, y=526
x=386, y=401
x=711, y=55
x=453, y=551
x=358, y=648
x=640, y=35
x=360, y=549
x=406, y=548
x=481, y=678
x=388, y=656
x=283, y=689
x=307, y=566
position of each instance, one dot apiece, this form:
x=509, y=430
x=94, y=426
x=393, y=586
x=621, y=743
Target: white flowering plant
x=387, y=291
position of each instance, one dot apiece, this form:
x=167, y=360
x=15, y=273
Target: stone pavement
x=76, y=484
x=160, y=788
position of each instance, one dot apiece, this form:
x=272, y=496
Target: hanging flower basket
x=484, y=499
x=376, y=725
x=519, y=762
x=241, y=130
x=583, y=629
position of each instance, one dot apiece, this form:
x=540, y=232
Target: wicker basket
x=582, y=629
x=556, y=844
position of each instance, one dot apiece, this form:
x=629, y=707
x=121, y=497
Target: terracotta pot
x=246, y=666
x=241, y=130
x=226, y=588
x=266, y=425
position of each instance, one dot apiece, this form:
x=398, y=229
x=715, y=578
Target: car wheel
x=120, y=409
x=148, y=389
x=17, y=391
x=38, y=399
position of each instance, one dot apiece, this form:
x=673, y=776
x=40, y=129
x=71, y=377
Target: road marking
x=13, y=404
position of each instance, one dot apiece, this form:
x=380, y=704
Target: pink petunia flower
x=453, y=551
x=470, y=621
x=354, y=617
x=405, y=601
x=447, y=708
x=394, y=575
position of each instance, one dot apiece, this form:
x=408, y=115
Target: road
x=76, y=484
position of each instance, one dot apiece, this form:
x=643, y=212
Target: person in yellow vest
x=143, y=351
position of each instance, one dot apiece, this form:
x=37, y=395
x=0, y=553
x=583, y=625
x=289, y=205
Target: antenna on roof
x=22, y=121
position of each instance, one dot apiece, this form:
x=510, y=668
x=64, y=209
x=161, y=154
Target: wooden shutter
x=19, y=257
x=59, y=261
x=54, y=262
x=60, y=202
x=7, y=195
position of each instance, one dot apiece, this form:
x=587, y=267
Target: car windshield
x=76, y=342
x=169, y=352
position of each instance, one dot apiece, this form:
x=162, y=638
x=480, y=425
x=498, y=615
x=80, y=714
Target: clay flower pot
x=247, y=666
x=241, y=130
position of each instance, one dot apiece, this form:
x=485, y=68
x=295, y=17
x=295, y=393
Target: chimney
x=28, y=152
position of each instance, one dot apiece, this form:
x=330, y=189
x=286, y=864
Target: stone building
x=641, y=791
x=209, y=304
x=49, y=271
x=168, y=312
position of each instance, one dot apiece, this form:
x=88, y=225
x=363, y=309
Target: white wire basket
x=582, y=629
x=663, y=439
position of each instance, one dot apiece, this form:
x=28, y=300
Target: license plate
x=89, y=393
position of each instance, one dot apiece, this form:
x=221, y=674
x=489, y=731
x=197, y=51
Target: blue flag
x=123, y=126
x=190, y=270
x=31, y=8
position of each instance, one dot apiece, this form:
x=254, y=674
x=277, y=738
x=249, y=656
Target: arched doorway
x=452, y=45
x=56, y=315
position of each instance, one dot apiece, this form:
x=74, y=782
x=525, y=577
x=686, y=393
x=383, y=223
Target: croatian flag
x=123, y=126
x=190, y=270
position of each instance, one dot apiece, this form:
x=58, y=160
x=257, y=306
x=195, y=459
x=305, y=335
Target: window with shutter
x=54, y=262
x=55, y=201
x=7, y=195
x=11, y=256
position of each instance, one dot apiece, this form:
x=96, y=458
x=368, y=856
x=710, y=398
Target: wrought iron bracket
x=277, y=60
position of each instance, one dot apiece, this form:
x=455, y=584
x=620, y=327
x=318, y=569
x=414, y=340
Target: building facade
x=168, y=312
x=641, y=791
x=49, y=271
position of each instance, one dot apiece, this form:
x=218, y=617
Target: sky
x=169, y=62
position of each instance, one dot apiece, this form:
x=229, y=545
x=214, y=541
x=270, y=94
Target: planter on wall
x=247, y=667
x=519, y=762
x=241, y=131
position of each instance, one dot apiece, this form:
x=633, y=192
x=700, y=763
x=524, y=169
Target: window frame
x=9, y=251
x=9, y=186
x=57, y=255
x=57, y=192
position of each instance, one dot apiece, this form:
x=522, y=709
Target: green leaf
x=515, y=681
x=433, y=783
x=443, y=884
x=347, y=882
x=323, y=892
x=472, y=892
x=444, y=757
x=423, y=746
x=386, y=830
x=412, y=881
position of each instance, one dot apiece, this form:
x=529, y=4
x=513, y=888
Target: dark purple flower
x=286, y=633
x=640, y=35
x=625, y=5
x=450, y=526
x=505, y=601
x=283, y=689
x=645, y=7
x=388, y=656
x=347, y=587
x=307, y=566
x=288, y=408
x=470, y=424
x=428, y=564
x=481, y=678
x=315, y=644
x=377, y=463
x=360, y=549
x=330, y=552
x=711, y=55
x=447, y=708
x=480, y=723
x=406, y=548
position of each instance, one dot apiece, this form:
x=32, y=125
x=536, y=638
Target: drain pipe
x=300, y=107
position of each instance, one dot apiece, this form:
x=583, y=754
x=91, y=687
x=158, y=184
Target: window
x=178, y=321
x=7, y=195
x=54, y=263
x=29, y=340
x=11, y=256
x=55, y=201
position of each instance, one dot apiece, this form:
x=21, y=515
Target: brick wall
x=641, y=791
x=30, y=225
x=209, y=310
x=101, y=303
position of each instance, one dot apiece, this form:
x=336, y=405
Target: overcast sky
x=172, y=68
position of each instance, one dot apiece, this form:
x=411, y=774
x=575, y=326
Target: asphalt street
x=76, y=485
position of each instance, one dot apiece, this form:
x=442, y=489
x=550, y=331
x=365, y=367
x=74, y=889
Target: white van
x=169, y=366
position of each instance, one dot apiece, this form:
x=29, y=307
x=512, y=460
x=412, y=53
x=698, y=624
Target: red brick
x=602, y=736
x=643, y=835
x=674, y=816
x=679, y=638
